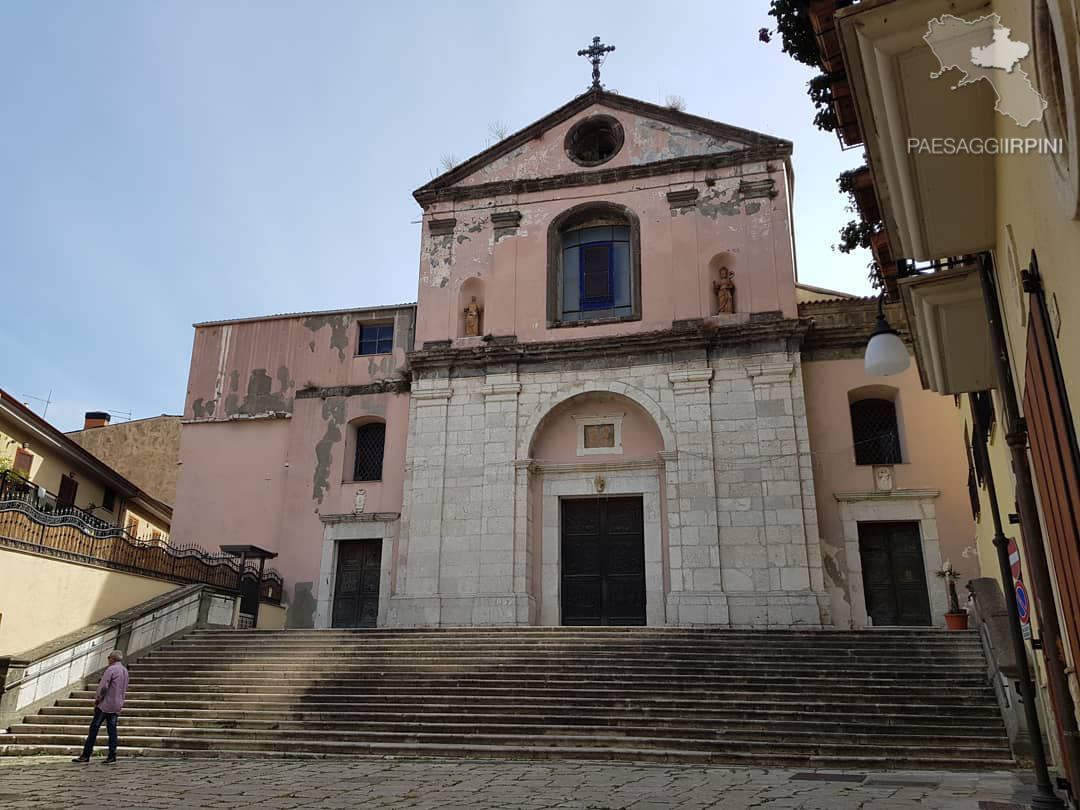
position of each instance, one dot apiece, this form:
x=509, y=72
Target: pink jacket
x=111, y=690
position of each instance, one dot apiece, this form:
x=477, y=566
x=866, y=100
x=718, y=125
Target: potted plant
x=955, y=618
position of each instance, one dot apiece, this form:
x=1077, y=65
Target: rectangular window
x=108, y=500
x=376, y=338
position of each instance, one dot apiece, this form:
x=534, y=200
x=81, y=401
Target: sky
x=164, y=163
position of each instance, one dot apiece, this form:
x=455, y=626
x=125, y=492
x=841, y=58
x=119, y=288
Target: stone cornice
x=887, y=495
x=507, y=390
x=507, y=188
x=398, y=386
x=432, y=394
x=554, y=468
x=694, y=335
x=690, y=379
x=764, y=373
x=361, y=517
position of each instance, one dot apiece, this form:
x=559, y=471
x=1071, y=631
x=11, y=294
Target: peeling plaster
x=712, y=204
x=339, y=330
x=380, y=366
x=655, y=140
x=333, y=412
x=439, y=259
x=836, y=571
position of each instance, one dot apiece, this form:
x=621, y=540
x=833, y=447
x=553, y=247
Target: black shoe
x=83, y=760
x=110, y=761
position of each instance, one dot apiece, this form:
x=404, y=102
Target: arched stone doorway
x=597, y=512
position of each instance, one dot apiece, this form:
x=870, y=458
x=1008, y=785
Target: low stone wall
x=41, y=675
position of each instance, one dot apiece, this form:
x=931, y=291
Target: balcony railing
x=36, y=520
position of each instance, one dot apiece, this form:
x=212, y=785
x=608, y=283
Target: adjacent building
x=64, y=475
x=981, y=241
x=146, y=451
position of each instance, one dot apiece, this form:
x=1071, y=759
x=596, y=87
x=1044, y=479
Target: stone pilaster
x=693, y=552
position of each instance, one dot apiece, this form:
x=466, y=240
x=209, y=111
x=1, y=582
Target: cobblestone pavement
x=52, y=782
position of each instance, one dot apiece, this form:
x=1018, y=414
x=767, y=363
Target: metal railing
x=34, y=520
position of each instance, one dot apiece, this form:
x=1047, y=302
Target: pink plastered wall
x=681, y=248
x=557, y=437
x=266, y=445
x=929, y=465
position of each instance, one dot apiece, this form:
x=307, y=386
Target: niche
x=723, y=294
x=471, y=317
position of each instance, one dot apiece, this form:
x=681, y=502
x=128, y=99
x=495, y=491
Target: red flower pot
x=956, y=621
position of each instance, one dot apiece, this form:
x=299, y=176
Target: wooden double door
x=356, y=589
x=894, y=574
x=602, y=562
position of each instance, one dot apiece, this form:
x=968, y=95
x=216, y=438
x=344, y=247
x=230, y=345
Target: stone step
x=931, y=695
x=46, y=723
x=473, y=731
x=467, y=701
x=888, y=698
x=862, y=761
x=316, y=742
x=526, y=631
x=808, y=642
x=483, y=669
x=981, y=717
x=581, y=661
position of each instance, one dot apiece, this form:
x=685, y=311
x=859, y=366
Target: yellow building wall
x=46, y=471
x=145, y=526
x=1030, y=215
x=43, y=598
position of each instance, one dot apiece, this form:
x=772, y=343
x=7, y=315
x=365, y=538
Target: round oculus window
x=594, y=140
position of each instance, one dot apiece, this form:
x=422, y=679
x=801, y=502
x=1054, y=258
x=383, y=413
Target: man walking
x=108, y=702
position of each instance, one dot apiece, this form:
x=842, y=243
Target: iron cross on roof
x=596, y=53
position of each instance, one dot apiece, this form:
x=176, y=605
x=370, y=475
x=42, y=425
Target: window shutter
x=24, y=460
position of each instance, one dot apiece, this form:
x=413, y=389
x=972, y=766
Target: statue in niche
x=725, y=292
x=472, y=319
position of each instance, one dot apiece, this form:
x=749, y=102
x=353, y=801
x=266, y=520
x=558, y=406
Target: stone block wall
x=730, y=519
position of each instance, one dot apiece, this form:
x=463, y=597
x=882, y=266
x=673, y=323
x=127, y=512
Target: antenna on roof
x=125, y=415
x=47, y=400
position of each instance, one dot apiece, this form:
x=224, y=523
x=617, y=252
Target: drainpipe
x=1045, y=796
x=1030, y=529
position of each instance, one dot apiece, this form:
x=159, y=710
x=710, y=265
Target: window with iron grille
x=376, y=339
x=873, y=426
x=370, y=441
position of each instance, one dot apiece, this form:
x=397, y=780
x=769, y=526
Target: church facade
x=611, y=404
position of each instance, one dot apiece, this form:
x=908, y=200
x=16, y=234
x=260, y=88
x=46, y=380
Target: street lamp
x=886, y=353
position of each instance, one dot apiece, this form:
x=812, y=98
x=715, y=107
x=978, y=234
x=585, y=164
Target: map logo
x=983, y=49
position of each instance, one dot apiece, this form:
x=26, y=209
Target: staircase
x=866, y=699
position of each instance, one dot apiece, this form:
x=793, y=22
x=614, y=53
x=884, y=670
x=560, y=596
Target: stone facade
x=730, y=520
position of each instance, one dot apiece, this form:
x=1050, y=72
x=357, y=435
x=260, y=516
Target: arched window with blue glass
x=594, y=259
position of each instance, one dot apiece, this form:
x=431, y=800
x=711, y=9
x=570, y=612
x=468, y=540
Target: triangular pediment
x=651, y=135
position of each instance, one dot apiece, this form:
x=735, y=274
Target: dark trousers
x=95, y=724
